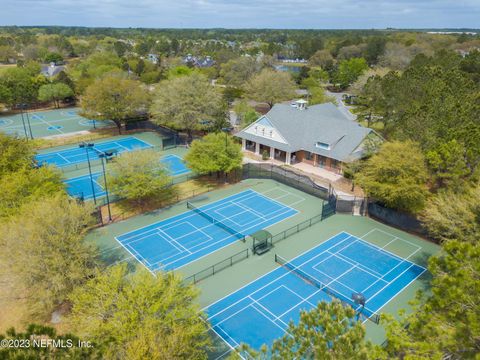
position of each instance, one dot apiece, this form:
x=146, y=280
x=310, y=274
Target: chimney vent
x=301, y=104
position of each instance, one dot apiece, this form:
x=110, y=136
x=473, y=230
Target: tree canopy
x=138, y=176
x=57, y=260
x=271, y=87
x=454, y=215
x=116, y=99
x=185, y=102
x=447, y=323
x=434, y=103
x=54, y=92
x=16, y=154
x=139, y=316
x=396, y=176
x=349, y=70
x=215, y=152
x=237, y=72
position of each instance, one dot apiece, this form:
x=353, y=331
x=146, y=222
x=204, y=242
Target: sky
x=301, y=14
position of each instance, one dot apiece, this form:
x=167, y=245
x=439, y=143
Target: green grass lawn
x=4, y=67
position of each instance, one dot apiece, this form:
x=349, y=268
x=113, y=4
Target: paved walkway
x=317, y=171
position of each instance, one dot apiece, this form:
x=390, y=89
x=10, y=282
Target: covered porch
x=272, y=153
x=306, y=158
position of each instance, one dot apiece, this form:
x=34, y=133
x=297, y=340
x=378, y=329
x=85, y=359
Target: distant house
x=319, y=135
x=153, y=58
x=51, y=70
x=201, y=62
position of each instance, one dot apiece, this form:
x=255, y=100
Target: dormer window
x=322, y=145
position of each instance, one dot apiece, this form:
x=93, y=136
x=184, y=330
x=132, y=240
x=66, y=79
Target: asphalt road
x=341, y=105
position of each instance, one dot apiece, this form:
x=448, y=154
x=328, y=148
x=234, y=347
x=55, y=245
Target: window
x=322, y=145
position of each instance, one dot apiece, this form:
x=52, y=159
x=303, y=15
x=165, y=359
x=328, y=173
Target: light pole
x=28, y=120
x=103, y=157
x=226, y=130
x=87, y=146
x=23, y=122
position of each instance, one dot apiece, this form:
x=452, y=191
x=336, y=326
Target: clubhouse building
x=318, y=135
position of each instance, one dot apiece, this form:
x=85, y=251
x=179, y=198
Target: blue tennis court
x=81, y=187
x=179, y=240
x=75, y=155
x=175, y=165
x=344, y=265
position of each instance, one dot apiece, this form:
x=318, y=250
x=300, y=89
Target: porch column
x=244, y=144
x=257, y=148
x=288, y=158
x=272, y=153
x=315, y=159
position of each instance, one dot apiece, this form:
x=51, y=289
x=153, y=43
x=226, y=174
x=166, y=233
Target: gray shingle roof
x=303, y=129
x=51, y=70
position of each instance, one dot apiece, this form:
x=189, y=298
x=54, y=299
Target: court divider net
x=216, y=222
x=318, y=284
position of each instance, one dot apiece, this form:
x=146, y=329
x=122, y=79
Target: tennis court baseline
x=76, y=155
x=344, y=265
x=174, y=242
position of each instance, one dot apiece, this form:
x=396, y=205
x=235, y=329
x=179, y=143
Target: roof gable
x=264, y=128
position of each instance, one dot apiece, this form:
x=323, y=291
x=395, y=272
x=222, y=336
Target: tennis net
x=216, y=222
x=311, y=280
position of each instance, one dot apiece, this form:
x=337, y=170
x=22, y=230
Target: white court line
x=275, y=317
x=399, y=238
x=274, y=200
x=393, y=297
x=349, y=259
x=144, y=260
x=64, y=158
x=221, y=337
x=250, y=304
x=120, y=145
x=249, y=209
x=400, y=263
x=391, y=282
x=136, y=258
x=172, y=241
x=46, y=122
x=288, y=194
x=389, y=252
x=255, y=220
x=391, y=241
x=304, y=299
